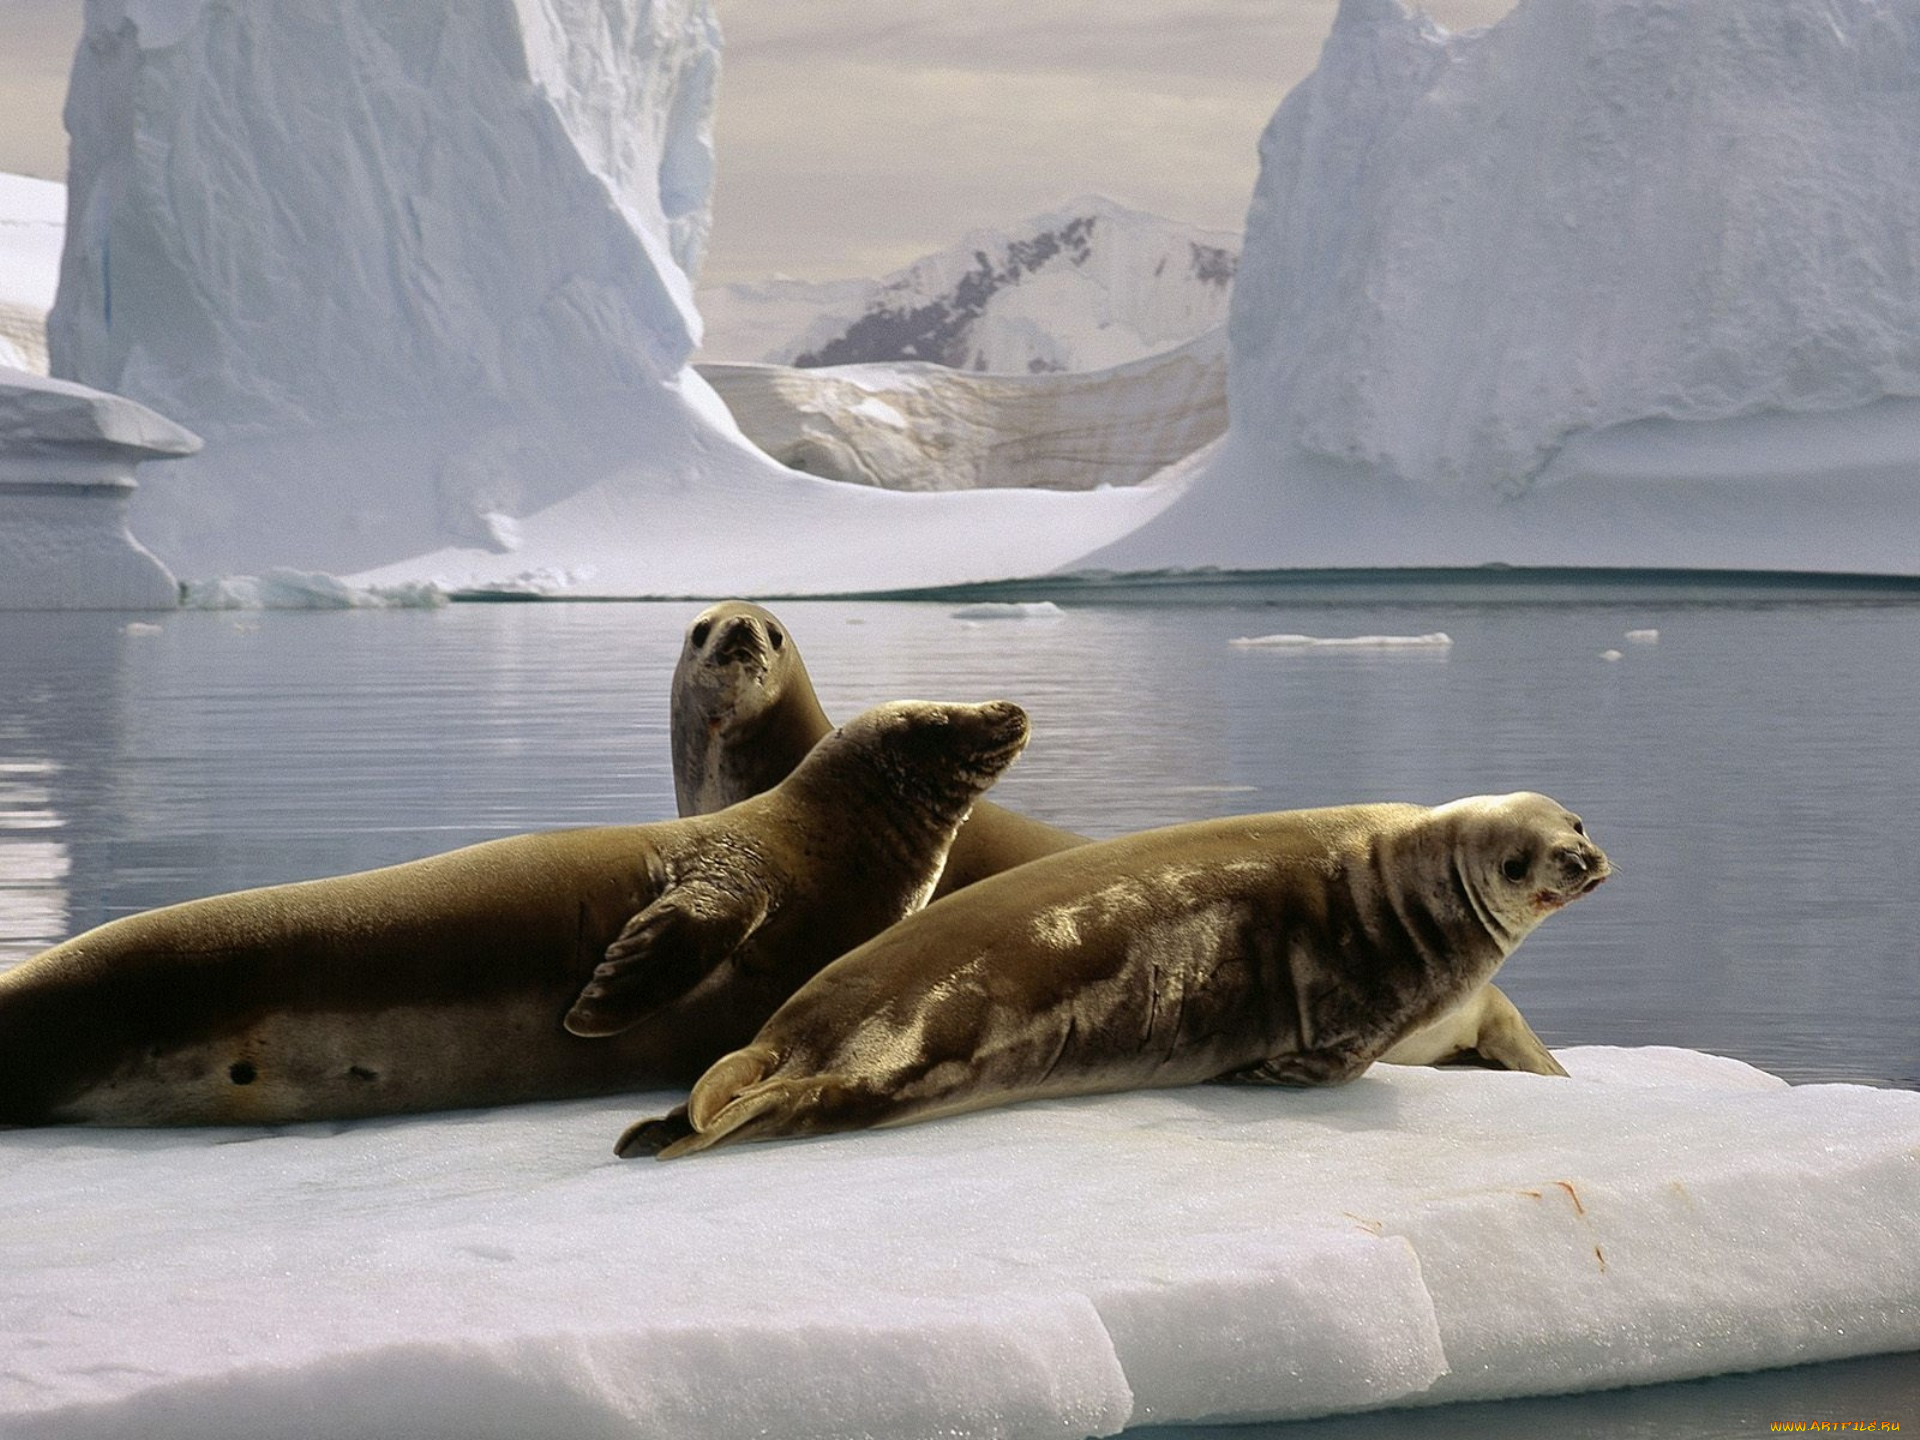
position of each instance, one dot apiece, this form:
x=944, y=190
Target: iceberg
x=1214, y=1253
x=67, y=456
x=454, y=354
x=1490, y=310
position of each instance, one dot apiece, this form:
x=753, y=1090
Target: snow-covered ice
x=284, y=589
x=1058, y=1269
x=67, y=457
x=1438, y=640
x=1089, y=286
x=1010, y=610
x=1488, y=309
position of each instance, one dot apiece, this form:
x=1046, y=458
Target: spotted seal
x=1290, y=948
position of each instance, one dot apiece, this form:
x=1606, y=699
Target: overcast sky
x=856, y=135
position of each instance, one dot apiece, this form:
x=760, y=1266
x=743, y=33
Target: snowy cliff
x=1087, y=287
x=341, y=239
x=1613, y=282
x=908, y=426
x=33, y=214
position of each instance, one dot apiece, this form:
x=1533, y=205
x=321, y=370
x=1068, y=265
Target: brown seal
x=443, y=982
x=744, y=714
x=1292, y=948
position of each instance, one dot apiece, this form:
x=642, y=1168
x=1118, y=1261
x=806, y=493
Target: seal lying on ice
x=443, y=982
x=1291, y=948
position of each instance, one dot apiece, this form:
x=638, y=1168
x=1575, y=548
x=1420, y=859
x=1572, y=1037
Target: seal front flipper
x=663, y=952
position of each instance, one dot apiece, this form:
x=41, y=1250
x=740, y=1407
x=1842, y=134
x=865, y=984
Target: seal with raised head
x=443, y=982
x=1292, y=948
x=743, y=714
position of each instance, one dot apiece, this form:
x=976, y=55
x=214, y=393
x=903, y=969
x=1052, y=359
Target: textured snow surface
x=1058, y=1269
x=1612, y=282
x=1086, y=287
x=33, y=216
x=911, y=426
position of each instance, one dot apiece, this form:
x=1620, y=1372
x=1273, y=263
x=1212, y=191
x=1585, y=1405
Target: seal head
x=743, y=711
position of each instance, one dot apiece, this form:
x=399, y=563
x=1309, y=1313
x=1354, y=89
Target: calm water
x=1754, y=774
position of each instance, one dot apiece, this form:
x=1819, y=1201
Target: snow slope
x=909, y=426
x=1086, y=287
x=33, y=217
x=1613, y=282
x=1420, y=1235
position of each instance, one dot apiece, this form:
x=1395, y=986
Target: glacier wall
x=399, y=225
x=1611, y=283
x=1465, y=248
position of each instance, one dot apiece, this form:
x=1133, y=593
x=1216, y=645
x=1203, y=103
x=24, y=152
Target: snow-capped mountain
x=1089, y=286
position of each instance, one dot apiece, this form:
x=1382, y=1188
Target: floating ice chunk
x=1611, y=655
x=1016, y=610
x=282, y=589
x=1154, y=1257
x=140, y=627
x=1439, y=640
x=1644, y=637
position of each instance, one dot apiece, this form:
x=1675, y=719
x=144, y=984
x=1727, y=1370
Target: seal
x=443, y=982
x=1292, y=948
x=744, y=713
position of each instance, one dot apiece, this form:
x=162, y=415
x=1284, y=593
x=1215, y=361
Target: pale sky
x=855, y=135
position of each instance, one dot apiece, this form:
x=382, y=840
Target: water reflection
x=33, y=872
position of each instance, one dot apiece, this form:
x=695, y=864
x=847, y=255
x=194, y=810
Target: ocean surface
x=1752, y=770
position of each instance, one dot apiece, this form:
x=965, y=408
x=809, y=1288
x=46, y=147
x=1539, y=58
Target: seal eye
x=773, y=634
x=1578, y=828
x=1515, y=868
x=700, y=632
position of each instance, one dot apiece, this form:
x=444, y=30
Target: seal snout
x=1583, y=868
x=741, y=640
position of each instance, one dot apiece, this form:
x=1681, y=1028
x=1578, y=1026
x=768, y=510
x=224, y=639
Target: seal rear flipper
x=725, y=1079
x=650, y=1137
x=661, y=954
